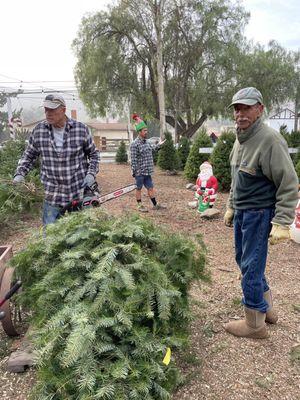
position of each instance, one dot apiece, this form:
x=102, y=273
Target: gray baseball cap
x=54, y=101
x=248, y=96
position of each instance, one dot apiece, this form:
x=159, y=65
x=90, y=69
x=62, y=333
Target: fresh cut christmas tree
x=122, y=156
x=110, y=300
x=220, y=159
x=195, y=158
x=167, y=157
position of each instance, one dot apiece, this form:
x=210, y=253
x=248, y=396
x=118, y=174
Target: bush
x=16, y=199
x=293, y=140
x=122, y=156
x=284, y=132
x=298, y=168
x=195, y=159
x=220, y=160
x=108, y=296
x=183, y=151
x=167, y=157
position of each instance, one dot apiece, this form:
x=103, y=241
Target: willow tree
x=205, y=60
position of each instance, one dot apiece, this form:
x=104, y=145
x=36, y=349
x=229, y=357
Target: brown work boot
x=253, y=326
x=159, y=207
x=271, y=315
x=142, y=208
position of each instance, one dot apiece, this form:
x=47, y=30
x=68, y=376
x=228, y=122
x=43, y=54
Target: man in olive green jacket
x=261, y=205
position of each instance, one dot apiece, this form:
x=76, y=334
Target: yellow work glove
x=228, y=217
x=279, y=233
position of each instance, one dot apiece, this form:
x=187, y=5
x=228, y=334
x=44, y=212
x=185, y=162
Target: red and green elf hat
x=139, y=123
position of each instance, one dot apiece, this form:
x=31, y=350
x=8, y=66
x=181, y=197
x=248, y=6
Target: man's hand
x=18, y=179
x=228, y=217
x=88, y=180
x=279, y=233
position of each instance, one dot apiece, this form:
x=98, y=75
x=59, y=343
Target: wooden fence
x=111, y=145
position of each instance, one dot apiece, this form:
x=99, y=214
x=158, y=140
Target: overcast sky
x=36, y=35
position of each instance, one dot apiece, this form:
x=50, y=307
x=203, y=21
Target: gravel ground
x=219, y=366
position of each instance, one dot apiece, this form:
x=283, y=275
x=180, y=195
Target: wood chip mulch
x=219, y=366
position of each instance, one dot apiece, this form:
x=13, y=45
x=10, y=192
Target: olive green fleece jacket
x=263, y=174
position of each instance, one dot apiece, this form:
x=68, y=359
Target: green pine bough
x=108, y=297
x=17, y=200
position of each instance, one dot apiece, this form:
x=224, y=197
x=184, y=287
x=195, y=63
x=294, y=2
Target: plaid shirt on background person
x=141, y=157
x=62, y=173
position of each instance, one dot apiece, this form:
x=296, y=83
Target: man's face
x=55, y=116
x=245, y=115
x=143, y=133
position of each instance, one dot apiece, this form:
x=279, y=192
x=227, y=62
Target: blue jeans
x=50, y=213
x=145, y=180
x=251, y=232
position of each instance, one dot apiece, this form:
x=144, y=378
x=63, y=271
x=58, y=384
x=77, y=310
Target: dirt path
x=220, y=366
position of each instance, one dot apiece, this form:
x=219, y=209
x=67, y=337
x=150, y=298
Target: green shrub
x=16, y=199
x=122, y=156
x=295, y=143
x=298, y=168
x=195, y=159
x=284, y=132
x=294, y=139
x=220, y=160
x=108, y=296
x=167, y=157
x=183, y=151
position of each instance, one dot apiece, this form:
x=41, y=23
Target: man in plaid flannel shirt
x=142, y=165
x=69, y=158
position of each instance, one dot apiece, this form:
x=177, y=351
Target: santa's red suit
x=207, y=184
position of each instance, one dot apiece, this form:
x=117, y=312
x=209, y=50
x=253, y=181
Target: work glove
x=228, y=217
x=88, y=180
x=279, y=233
x=18, y=179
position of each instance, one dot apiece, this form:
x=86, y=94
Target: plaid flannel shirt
x=62, y=173
x=141, y=157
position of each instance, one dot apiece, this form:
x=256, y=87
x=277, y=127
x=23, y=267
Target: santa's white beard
x=204, y=176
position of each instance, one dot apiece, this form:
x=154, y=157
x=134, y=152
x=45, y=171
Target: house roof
x=101, y=126
x=32, y=123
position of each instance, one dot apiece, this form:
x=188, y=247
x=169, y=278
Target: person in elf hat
x=261, y=206
x=206, y=187
x=142, y=165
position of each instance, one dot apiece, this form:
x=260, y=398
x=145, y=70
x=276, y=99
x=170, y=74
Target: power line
x=18, y=81
x=42, y=88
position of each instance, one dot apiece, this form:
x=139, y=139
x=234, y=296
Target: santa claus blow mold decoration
x=295, y=227
x=206, y=187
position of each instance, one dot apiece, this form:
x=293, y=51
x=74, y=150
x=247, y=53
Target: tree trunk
x=160, y=75
x=182, y=128
x=193, y=128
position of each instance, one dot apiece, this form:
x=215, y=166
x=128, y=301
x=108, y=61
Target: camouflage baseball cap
x=248, y=96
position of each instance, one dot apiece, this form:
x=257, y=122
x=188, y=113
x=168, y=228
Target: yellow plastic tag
x=167, y=357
